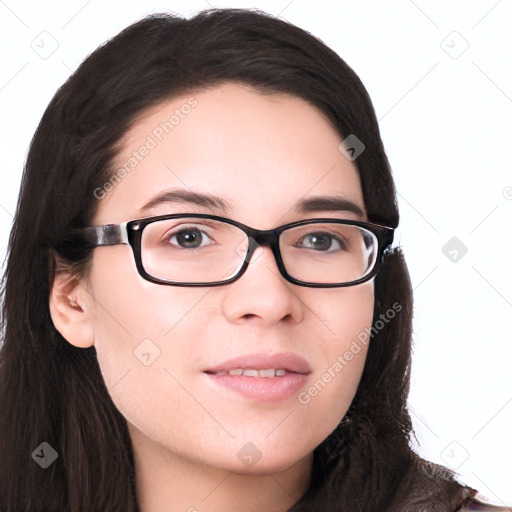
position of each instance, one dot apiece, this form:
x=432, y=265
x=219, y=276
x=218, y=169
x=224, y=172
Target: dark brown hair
x=51, y=391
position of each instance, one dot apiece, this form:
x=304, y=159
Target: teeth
x=250, y=372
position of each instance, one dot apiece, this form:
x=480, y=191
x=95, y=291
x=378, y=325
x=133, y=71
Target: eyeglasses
x=206, y=250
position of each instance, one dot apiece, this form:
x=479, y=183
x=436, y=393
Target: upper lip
x=283, y=361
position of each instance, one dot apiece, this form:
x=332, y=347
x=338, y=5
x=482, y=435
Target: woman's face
x=159, y=347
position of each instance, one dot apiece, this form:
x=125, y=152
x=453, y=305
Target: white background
x=445, y=113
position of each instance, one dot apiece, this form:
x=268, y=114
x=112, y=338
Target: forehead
x=261, y=153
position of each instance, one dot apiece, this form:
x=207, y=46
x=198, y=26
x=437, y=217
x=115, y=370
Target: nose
x=262, y=295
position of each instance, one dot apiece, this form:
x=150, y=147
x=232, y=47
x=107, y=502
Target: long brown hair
x=53, y=392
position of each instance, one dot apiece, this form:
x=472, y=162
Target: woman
x=203, y=307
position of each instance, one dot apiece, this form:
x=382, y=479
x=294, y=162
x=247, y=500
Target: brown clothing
x=475, y=505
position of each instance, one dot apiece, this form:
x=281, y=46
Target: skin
x=262, y=153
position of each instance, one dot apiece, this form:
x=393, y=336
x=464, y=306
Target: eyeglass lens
x=198, y=250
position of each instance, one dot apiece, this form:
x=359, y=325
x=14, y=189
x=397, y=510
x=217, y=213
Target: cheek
x=144, y=340
x=349, y=308
x=133, y=319
x=347, y=317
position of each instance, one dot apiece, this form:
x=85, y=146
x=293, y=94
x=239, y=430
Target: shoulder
x=479, y=504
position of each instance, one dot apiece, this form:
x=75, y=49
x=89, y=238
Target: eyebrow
x=324, y=203
x=330, y=203
x=209, y=201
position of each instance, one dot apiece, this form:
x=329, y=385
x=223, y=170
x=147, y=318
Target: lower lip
x=262, y=389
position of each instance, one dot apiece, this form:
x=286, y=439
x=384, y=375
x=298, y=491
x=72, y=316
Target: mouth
x=253, y=372
x=261, y=377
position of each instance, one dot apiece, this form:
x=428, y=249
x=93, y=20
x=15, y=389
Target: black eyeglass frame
x=130, y=233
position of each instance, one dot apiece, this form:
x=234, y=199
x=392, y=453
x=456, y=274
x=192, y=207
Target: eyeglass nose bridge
x=268, y=238
x=263, y=238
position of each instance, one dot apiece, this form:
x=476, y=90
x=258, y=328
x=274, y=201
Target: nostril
x=285, y=318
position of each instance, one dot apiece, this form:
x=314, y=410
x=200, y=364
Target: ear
x=69, y=312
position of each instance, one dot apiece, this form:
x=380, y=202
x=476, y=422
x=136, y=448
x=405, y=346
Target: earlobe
x=69, y=313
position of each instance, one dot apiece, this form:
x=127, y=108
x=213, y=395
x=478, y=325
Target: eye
x=322, y=242
x=189, y=238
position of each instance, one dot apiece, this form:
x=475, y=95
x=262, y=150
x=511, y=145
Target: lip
x=262, y=389
x=285, y=361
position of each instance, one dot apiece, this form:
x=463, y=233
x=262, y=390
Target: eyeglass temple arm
x=392, y=240
x=109, y=234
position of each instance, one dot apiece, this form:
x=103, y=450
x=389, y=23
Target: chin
x=260, y=464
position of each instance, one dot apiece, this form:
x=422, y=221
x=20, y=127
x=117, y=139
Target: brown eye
x=189, y=238
x=322, y=242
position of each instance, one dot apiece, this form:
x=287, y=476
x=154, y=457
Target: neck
x=166, y=482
